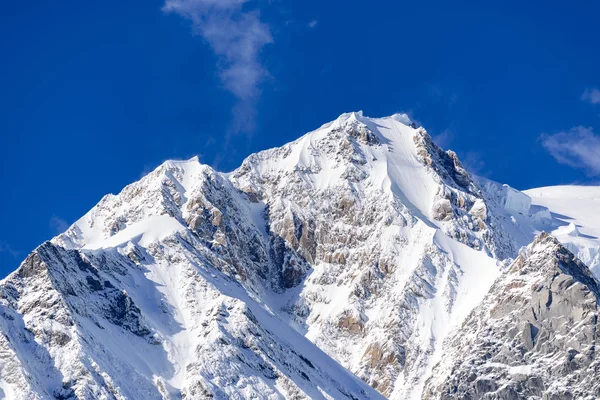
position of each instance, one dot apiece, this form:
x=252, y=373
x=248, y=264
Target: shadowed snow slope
x=332, y=267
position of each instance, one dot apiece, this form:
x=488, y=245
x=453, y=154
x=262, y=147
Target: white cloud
x=313, y=23
x=591, y=95
x=58, y=224
x=6, y=248
x=578, y=148
x=443, y=139
x=237, y=36
x=473, y=162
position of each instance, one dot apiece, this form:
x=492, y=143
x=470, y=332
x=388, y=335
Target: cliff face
x=331, y=267
x=533, y=336
x=387, y=230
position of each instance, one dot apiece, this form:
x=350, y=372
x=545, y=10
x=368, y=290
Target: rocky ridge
x=362, y=243
x=533, y=336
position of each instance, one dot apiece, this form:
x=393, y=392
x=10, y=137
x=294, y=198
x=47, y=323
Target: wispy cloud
x=58, y=224
x=313, y=23
x=473, y=162
x=578, y=148
x=444, y=138
x=441, y=92
x=237, y=35
x=6, y=248
x=591, y=95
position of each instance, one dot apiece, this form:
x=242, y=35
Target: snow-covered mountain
x=576, y=215
x=332, y=267
x=533, y=336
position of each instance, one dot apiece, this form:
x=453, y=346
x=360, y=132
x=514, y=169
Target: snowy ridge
x=334, y=266
x=115, y=333
x=576, y=219
x=383, y=253
x=533, y=336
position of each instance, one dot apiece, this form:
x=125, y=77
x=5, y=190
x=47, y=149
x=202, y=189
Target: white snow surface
x=337, y=261
x=576, y=216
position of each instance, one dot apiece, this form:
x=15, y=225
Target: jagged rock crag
x=334, y=266
x=534, y=336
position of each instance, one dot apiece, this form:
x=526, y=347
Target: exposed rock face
x=335, y=216
x=534, y=336
x=335, y=262
x=461, y=204
x=71, y=329
x=575, y=208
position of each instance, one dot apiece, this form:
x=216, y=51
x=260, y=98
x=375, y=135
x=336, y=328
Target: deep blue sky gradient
x=95, y=94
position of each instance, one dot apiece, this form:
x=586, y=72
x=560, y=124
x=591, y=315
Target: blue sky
x=95, y=94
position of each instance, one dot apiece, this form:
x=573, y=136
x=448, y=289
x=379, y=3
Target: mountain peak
x=361, y=244
x=548, y=256
x=175, y=163
x=352, y=115
x=533, y=335
x=358, y=116
x=404, y=118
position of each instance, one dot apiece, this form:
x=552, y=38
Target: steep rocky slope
x=533, y=336
x=329, y=267
x=160, y=323
x=390, y=231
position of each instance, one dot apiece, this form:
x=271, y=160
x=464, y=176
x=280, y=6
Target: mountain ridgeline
x=361, y=261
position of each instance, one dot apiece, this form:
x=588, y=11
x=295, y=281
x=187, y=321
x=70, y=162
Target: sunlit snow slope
x=332, y=267
x=577, y=212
